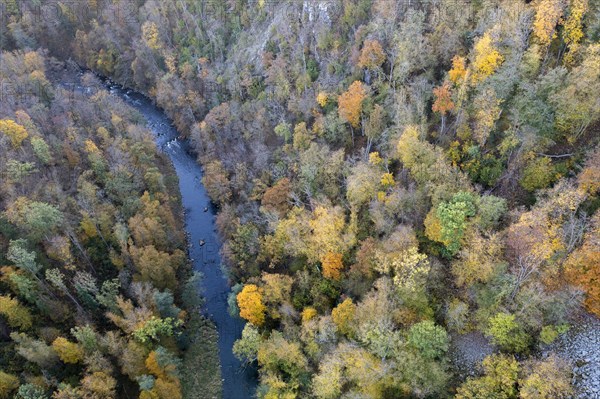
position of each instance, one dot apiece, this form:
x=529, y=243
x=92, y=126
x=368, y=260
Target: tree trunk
x=443, y=126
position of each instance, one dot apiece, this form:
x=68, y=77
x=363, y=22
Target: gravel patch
x=580, y=346
x=467, y=351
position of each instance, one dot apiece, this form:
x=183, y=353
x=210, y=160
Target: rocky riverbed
x=580, y=347
x=467, y=351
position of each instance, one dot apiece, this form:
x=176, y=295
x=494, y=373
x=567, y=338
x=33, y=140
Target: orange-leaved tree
x=372, y=55
x=443, y=102
x=582, y=268
x=350, y=103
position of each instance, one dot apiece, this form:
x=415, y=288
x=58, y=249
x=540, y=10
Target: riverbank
x=238, y=380
x=201, y=374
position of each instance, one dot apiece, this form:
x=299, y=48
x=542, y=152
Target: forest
x=390, y=176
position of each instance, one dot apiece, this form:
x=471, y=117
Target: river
x=580, y=346
x=239, y=382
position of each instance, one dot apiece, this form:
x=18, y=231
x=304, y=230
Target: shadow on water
x=239, y=382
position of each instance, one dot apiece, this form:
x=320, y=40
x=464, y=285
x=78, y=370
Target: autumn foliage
x=458, y=71
x=17, y=315
x=8, y=383
x=332, y=265
x=276, y=198
x=15, y=132
x=343, y=315
x=573, y=27
x=250, y=302
x=372, y=55
x=443, y=99
x=487, y=58
x=85, y=196
x=322, y=98
x=68, y=352
x=547, y=16
x=362, y=192
x=350, y=103
x=582, y=268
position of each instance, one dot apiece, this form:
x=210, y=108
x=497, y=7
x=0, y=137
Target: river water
x=239, y=382
x=580, y=346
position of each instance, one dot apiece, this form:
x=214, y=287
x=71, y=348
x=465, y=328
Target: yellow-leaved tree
x=151, y=35
x=486, y=59
x=343, y=316
x=408, y=267
x=308, y=314
x=548, y=14
x=250, y=302
x=15, y=132
x=322, y=98
x=458, y=71
x=69, y=352
x=8, y=383
x=17, y=315
x=332, y=265
x=161, y=364
x=330, y=234
x=573, y=28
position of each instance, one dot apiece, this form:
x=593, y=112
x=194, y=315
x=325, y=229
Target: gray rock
x=580, y=346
